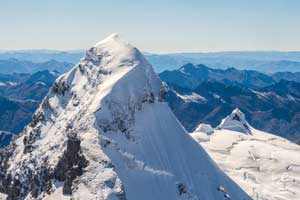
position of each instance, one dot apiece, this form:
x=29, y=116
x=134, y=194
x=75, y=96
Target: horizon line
x=149, y=53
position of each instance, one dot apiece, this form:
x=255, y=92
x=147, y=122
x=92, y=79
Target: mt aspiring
x=105, y=132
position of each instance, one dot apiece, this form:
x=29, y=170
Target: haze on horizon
x=153, y=26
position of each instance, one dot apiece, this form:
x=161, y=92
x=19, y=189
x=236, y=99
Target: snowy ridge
x=258, y=162
x=105, y=132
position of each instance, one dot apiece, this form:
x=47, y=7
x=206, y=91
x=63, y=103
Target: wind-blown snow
x=264, y=165
x=40, y=83
x=135, y=147
x=193, y=97
x=11, y=83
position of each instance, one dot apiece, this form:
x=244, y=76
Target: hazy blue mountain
x=20, y=95
x=275, y=108
x=287, y=76
x=284, y=88
x=13, y=65
x=190, y=76
x=43, y=55
x=6, y=138
x=15, y=114
x=263, y=61
x=28, y=86
x=163, y=62
x=12, y=78
x=247, y=55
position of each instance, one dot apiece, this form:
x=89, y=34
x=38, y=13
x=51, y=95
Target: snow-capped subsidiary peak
x=258, y=162
x=205, y=128
x=104, y=132
x=236, y=121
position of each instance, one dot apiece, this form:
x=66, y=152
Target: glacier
x=266, y=166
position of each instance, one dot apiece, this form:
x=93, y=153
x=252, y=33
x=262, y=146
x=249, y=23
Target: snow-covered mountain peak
x=114, y=45
x=236, y=121
x=112, y=48
x=104, y=132
x=238, y=112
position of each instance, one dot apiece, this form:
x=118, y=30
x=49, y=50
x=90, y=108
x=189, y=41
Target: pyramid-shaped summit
x=236, y=121
x=105, y=132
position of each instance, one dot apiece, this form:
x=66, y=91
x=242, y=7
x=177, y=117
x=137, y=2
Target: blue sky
x=153, y=25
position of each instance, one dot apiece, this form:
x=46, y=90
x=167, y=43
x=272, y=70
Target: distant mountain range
x=15, y=114
x=198, y=94
x=270, y=104
x=263, y=61
x=5, y=138
x=13, y=65
x=27, y=86
x=287, y=76
x=190, y=76
x=40, y=56
x=20, y=95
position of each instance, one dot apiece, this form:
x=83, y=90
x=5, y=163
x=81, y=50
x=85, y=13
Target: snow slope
x=264, y=165
x=105, y=132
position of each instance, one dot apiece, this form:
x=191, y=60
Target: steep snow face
x=236, y=121
x=105, y=132
x=264, y=165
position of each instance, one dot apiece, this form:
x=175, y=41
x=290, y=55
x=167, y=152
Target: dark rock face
x=42, y=181
x=122, y=195
x=71, y=164
x=181, y=189
x=36, y=180
x=4, y=179
x=29, y=140
x=60, y=87
x=7, y=184
x=163, y=92
x=33, y=181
